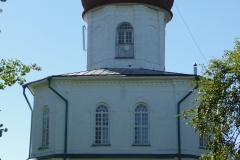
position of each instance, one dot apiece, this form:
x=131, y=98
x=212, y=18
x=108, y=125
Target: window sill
x=203, y=148
x=93, y=145
x=42, y=148
x=141, y=145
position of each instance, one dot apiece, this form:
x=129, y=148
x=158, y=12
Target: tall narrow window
x=141, y=130
x=102, y=125
x=45, y=128
x=124, y=46
x=203, y=142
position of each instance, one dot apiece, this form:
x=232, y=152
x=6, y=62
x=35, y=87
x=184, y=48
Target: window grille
x=141, y=131
x=102, y=125
x=124, y=47
x=45, y=128
x=203, y=142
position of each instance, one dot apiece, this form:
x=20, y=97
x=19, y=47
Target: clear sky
x=49, y=32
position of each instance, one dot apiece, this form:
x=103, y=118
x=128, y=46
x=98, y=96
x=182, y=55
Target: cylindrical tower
x=126, y=33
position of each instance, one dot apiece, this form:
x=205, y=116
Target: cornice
x=117, y=81
x=120, y=83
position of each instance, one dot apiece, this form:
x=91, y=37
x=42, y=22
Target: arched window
x=141, y=125
x=102, y=125
x=124, y=45
x=45, y=128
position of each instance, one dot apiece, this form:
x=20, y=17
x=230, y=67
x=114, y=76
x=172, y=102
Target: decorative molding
x=62, y=83
x=101, y=11
x=124, y=8
x=115, y=83
x=140, y=8
x=109, y=8
x=140, y=100
x=150, y=83
x=161, y=14
x=88, y=18
x=40, y=88
x=181, y=83
x=101, y=100
x=98, y=13
x=161, y=17
x=152, y=12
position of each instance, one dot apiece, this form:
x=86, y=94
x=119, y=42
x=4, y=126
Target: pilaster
x=161, y=16
x=139, y=14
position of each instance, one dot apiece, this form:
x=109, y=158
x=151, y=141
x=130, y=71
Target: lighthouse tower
x=126, y=33
x=125, y=105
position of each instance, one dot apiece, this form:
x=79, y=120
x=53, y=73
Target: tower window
x=125, y=32
x=102, y=125
x=141, y=127
x=45, y=128
x=124, y=46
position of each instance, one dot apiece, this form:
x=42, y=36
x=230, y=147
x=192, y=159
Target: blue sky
x=49, y=33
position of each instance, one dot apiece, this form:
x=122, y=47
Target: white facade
x=121, y=95
x=148, y=37
x=129, y=37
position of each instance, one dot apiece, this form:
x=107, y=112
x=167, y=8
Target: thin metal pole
x=83, y=32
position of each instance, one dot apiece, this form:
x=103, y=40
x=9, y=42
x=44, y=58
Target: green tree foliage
x=217, y=114
x=13, y=71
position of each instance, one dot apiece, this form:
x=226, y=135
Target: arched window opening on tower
x=141, y=125
x=102, y=125
x=124, y=41
x=45, y=128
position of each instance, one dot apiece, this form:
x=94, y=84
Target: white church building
x=125, y=105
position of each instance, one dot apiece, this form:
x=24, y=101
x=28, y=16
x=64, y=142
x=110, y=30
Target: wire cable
x=190, y=33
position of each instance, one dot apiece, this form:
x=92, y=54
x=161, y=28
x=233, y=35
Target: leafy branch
x=13, y=71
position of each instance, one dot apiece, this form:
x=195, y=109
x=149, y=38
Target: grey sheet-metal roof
x=117, y=72
x=123, y=72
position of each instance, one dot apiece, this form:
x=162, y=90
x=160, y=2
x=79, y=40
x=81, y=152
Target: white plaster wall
x=42, y=99
x=190, y=146
x=121, y=95
x=149, y=37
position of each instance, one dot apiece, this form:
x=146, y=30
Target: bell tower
x=126, y=33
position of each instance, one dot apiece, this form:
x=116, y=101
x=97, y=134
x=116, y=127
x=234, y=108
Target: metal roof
x=122, y=72
x=117, y=72
x=90, y=4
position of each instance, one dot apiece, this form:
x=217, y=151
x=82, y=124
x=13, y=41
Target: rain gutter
x=30, y=141
x=178, y=119
x=66, y=116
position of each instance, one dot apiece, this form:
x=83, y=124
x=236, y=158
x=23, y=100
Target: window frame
x=203, y=141
x=104, y=141
x=118, y=30
x=124, y=40
x=141, y=143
